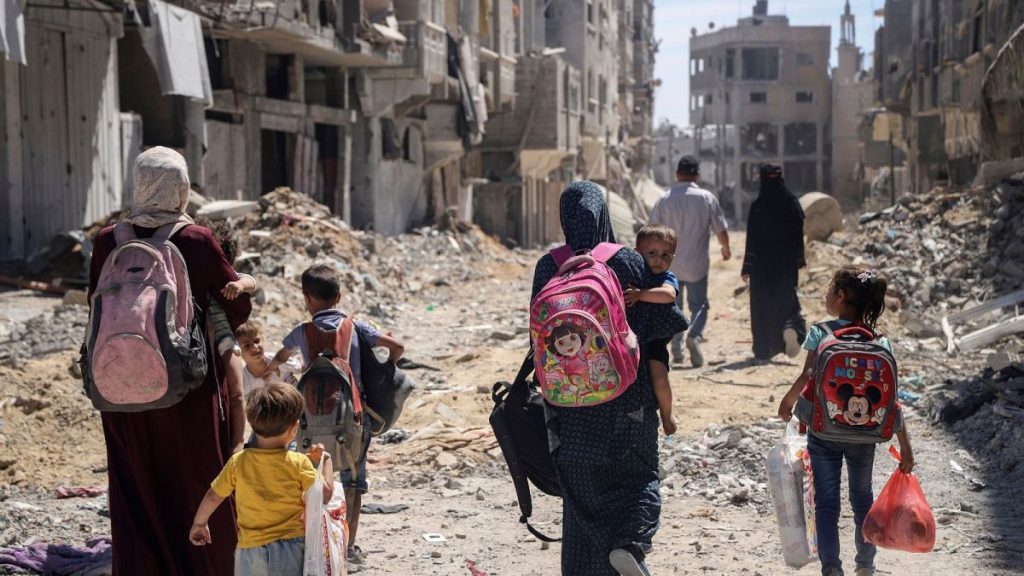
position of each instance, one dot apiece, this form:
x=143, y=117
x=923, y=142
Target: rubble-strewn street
x=458, y=299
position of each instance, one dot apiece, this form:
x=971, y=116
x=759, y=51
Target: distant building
x=853, y=94
x=763, y=90
x=670, y=144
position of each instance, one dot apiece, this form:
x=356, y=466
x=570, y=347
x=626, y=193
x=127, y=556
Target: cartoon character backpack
x=854, y=394
x=585, y=352
x=144, y=346
x=333, y=414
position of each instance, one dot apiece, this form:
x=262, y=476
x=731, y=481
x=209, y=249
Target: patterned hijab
x=160, y=189
x=584, y=216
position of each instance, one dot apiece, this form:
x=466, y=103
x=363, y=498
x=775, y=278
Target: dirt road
x=449, y=475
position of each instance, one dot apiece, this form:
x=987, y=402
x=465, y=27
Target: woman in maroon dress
x=161, y=462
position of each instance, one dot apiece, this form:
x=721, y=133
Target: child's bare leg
x=663, y=392
x=236, y=403
x=353, y=504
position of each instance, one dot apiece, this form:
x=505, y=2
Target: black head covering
x=775, y=200
x=775, y=225
x=584, y=216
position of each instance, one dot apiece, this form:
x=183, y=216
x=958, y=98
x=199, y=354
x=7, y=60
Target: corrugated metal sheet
x=72, y=132
x=49, y=205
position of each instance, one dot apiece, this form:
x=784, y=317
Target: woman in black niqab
x=606, y=456
x=774, y=256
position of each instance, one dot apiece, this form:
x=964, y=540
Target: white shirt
x=288, y=371
x=693, y=213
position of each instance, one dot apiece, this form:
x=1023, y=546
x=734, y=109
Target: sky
x=673, y=20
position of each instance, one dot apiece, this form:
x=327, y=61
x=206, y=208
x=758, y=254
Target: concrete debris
x=725, y=466
x=945, y=250
x=822, y=215
x=59, y=330
x=223, y=209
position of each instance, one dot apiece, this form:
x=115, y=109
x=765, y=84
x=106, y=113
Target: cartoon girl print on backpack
x=576, y=364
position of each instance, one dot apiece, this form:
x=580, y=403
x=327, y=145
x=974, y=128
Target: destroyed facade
x=391, y=112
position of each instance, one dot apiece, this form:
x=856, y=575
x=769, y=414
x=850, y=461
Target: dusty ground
x=453, y=481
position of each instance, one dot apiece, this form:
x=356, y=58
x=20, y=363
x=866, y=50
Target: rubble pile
x=986, y=413
x=291, y=232
x=54, y=331
x=725, y=466
x=945, y=248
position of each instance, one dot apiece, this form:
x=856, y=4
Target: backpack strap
x=123, y=232
x=318, y=341
x=562, y=254
x=343, y=347
x=605, y=251
x=167, y=231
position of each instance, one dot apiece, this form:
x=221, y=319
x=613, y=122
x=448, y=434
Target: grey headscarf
x=160, y=189
x=584, y=214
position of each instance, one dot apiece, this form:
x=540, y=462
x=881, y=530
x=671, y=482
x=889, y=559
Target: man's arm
x=723, y=240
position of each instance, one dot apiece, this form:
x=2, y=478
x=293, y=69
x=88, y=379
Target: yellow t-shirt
x=268, y=486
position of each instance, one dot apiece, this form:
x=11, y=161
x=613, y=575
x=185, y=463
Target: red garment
x=161, y=462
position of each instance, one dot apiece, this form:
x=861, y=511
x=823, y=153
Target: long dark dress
x=774, y=255
x=161, y=462
x=606, y=456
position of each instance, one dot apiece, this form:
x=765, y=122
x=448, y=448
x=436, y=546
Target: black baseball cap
x=688, y=165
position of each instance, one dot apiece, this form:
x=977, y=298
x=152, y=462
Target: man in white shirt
x=694, y=213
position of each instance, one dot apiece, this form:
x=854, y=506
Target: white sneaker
x=626, y=564
x=792, y=343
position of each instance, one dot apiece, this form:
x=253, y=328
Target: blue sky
x=673, y=20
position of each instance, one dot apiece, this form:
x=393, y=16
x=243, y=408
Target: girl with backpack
x=606, y=455
x=846, y=397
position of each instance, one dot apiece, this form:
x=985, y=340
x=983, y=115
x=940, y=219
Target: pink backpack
x=144, y=346
x=584, y=351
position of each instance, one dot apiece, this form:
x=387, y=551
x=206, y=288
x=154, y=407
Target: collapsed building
x=391, y=112
x=768, y=83
x=947, y=74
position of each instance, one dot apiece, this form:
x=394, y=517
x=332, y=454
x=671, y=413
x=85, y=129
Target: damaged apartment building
x=760, y=92
x=948, y=80
x=388, y=111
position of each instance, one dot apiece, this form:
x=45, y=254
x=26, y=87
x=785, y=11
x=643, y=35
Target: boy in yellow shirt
x=269, y=482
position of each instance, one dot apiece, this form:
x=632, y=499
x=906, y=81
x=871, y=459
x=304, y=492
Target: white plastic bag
x=789, y=478
x=326, y=530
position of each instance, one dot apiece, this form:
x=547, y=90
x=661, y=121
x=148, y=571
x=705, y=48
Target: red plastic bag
x=901, y=518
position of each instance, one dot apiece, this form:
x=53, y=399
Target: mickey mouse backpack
x=585, y=353
x=854, y=394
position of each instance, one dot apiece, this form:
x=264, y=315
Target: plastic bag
x=326, y=529
x=901, y=518
x=789, y=479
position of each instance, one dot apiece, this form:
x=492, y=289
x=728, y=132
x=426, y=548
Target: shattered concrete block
x=822, y=215
x=992, y=173
x=223, y=209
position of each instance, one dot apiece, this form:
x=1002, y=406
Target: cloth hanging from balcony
x=12, y=33
x=173, y=39
x=466, y=119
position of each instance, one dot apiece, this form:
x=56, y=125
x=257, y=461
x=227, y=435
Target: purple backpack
x=584, y=351
x=144, y=346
